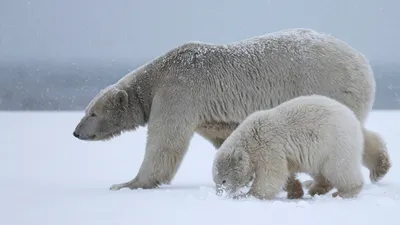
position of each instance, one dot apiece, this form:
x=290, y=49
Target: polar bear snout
x=219, y=190
x=84, y=137
x=75, y=134
x=224, y=186
x=86, y=129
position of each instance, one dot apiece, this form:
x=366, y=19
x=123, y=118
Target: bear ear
x=121, y=98
x=238, y=155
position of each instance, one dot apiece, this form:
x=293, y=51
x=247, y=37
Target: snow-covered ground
x=49, y=177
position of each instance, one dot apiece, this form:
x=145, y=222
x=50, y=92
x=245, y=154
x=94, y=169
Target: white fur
x=309, y=134
x=210, y=89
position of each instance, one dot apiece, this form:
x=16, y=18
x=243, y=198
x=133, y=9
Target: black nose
x=75, y=134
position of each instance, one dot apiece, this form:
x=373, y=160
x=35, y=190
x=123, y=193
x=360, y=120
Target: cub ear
x=238, y=155
x=121, y=98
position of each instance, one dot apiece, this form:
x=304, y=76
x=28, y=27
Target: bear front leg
x=271, y=174
x=166, y=147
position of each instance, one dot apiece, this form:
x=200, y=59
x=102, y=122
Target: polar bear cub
x=310, y=134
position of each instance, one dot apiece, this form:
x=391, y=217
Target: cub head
x=232, y=171
x=110, y=113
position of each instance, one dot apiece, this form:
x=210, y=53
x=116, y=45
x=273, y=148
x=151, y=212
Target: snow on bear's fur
x=210, y=89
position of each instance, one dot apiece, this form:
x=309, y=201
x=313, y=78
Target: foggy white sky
x=132, y=30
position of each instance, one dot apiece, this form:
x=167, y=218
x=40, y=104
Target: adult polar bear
x=210, y=89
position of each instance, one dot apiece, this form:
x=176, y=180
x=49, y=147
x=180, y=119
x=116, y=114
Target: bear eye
x=93, y=114
x=224, y=181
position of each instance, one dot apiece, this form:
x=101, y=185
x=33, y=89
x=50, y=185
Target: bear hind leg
x=320, y=186
x=376, y=157
x=346, y=178
x=293, y=187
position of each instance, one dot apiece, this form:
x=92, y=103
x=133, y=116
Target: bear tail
x=376, y=157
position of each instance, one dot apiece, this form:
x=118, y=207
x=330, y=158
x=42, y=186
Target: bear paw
x=377, y=174
x=319, y=190
x=295, y=190
x=117, y=187
x=134, y=184
x=381, y=169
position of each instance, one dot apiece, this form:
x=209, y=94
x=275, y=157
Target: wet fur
x=210, y=89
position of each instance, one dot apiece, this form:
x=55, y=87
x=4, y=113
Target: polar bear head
x=110, y=113
x=232, y=170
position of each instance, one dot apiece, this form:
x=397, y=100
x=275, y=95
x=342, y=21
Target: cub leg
x=346, y=178
x=320, y=186
x=271, y=174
